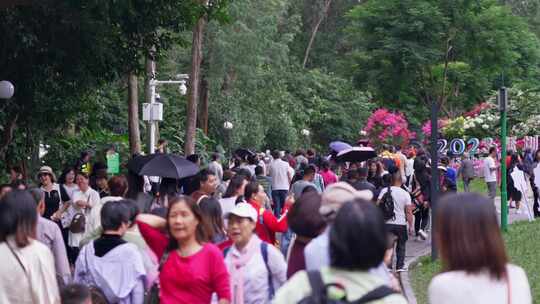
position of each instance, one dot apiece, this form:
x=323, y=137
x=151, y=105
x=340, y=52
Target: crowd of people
x=264, y=228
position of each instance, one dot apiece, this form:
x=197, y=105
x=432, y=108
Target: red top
x=266, y=230
x=190, y=279
x=329, y=177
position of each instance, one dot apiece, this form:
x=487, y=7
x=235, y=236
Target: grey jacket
x=467, y=169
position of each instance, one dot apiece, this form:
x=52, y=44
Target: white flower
x=485, y=127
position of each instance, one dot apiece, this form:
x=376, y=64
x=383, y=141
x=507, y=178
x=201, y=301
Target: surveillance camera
x=183, y=88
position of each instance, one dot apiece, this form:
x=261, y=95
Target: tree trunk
x=8, y=135
x=203, y=117
x=133, y=114
x=193, y=100
x=315, y=30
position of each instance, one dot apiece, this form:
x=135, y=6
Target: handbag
x=152, y=296
x=78, y=222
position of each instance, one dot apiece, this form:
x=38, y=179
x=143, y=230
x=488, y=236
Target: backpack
x=264, y=253
x=319, y=293
x=387, y=205
x=78, y=223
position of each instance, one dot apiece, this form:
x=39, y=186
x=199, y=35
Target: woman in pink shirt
x=329, y=177
x=192, y=269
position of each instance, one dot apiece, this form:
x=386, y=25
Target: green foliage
x=64, y=151
x=399, y=50
x=267, y=95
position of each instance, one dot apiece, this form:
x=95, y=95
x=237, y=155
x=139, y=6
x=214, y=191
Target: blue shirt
x=451, y=174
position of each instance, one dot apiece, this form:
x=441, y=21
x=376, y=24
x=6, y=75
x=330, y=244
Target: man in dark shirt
x=265, y=181
x=362, y=183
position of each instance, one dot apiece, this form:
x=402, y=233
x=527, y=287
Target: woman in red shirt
x=192, y=269
x=267, y=223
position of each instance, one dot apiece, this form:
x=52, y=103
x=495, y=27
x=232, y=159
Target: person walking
x=48, y=233
x=27, y=272
x=317, y=252
x=257, y=268
x=357, y=244
x=215, y=167
x=267, y=223
x=211, y=208
x=51, y=190
x=83, y=201
x=307, y=223
x=490, y=173
x=307, y=180
x=329, y=177
x=518, y=185
x=421, y=196
x=536, y=183
x=118, y=187
x=402, y=218
x=263, y=180
x=466, y=232
x=466, y=170
x=206, y=183
x=233, y=194
x=191, y=268
x=110, y=263
x=362, y=183
x=278, y=170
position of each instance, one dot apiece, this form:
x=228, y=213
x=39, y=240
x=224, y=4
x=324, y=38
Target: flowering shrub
x=529, y=127
x=485, y=124
x=426, y=128
x=387, y=127
x=454, y=128
x=479, y=109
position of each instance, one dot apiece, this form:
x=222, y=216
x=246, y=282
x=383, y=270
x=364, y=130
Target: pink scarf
x=237, y=269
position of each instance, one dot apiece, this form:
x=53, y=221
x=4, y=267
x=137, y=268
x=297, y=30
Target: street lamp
x=228, y=126
x=153, y=111
x=306, y=133
x=6, y=89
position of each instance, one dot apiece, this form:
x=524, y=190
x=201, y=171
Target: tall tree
x=401, y=52
x=315, y=29
x=194, y=80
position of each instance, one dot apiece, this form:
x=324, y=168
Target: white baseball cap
x=243, y=210
x=335, y=195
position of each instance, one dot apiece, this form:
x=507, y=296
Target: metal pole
x=503, y=101
x=152, y=123
x=434, y=172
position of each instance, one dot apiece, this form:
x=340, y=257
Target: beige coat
x=36, y=283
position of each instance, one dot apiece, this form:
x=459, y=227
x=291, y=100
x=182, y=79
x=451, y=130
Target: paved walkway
x=417, y=249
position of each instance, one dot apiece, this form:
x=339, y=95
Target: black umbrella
x=356, y=154
x=135, y=165
x=164, y=165
x=243, y=153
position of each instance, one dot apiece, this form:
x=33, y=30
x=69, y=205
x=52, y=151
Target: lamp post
x=6, y=89
x=228, y=126
x=306, y=133
x=153, y=110
x=503, y=105
x=434, y=187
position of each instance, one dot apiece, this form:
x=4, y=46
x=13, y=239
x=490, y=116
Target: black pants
x=421, y=219
x=400, y=231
